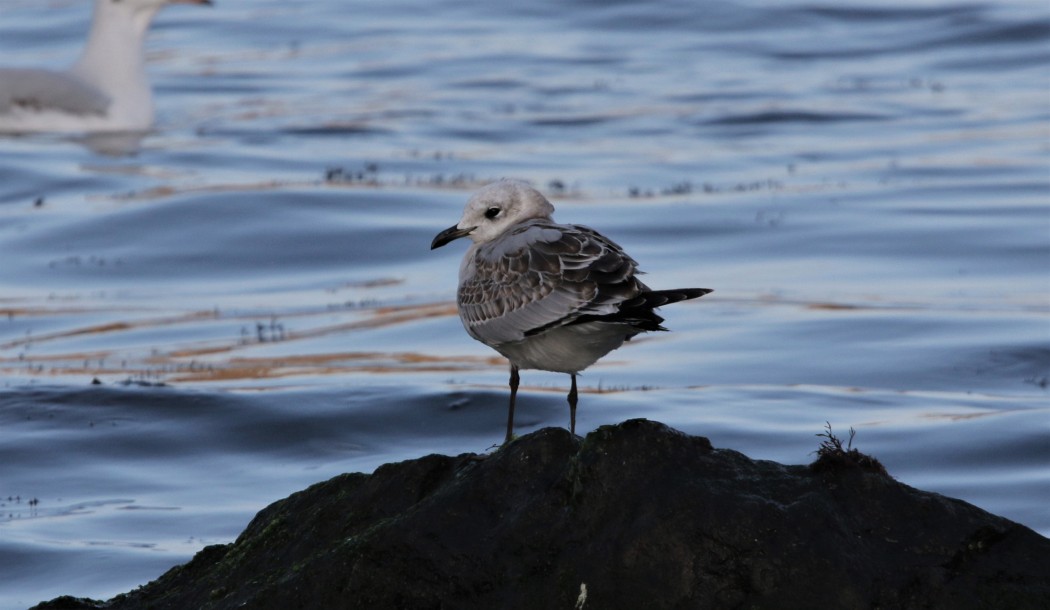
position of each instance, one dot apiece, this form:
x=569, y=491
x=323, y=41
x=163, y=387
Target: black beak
x=449, y=234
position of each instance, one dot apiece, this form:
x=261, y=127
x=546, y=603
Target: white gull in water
x=546, y=295
x=105, y=90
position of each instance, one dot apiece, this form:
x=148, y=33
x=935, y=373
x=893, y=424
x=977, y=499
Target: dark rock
x=67, y=602
x=637, y=515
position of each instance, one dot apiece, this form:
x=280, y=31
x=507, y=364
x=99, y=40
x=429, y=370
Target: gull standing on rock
x=546, y=295
x=106, y=90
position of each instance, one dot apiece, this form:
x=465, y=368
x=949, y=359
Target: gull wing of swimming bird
x=106, y=90
x=545, y=295
x=40, y=90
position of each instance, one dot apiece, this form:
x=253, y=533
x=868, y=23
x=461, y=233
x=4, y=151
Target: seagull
x=106, y=90
x=547, y=296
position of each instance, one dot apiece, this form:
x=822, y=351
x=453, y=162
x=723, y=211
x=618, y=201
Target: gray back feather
x=49, y=90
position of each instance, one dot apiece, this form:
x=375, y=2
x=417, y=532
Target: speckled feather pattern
x=541, y=275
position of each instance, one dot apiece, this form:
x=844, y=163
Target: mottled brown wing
x=541, y=275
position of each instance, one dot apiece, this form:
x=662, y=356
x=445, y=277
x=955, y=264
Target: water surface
x=864, y=185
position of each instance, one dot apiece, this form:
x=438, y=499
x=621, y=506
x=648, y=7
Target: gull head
x=493, y=210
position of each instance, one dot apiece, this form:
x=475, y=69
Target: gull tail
x=659, y=298
x=638, y=312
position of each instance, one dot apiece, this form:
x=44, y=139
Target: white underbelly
x=566, y=349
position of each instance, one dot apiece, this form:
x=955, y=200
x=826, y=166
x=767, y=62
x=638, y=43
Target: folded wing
x=49, y=90
x=543, y=275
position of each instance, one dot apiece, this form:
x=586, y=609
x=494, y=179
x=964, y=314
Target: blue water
x=865, y=185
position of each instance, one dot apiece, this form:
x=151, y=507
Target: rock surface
x=636, y=515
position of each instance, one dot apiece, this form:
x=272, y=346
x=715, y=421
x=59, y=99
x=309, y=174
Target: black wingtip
x=695, y=293
x=658, y=298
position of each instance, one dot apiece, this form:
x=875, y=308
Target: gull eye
x=492, y=212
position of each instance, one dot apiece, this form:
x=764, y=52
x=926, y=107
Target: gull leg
x=514, y=379
x=572, y=405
